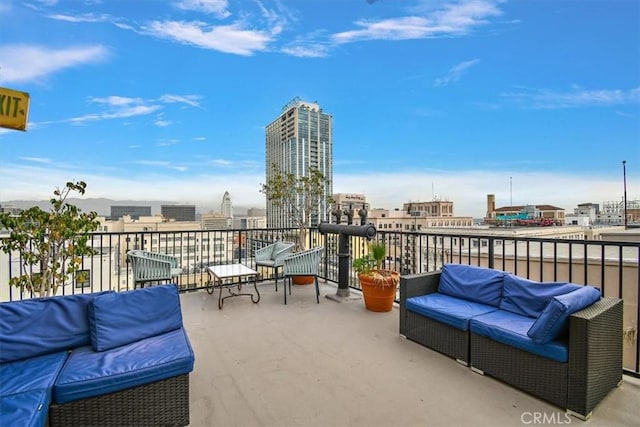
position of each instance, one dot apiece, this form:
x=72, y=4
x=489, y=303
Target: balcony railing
x=610, y=266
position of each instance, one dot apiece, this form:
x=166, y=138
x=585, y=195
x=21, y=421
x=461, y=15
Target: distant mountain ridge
x=102, y=206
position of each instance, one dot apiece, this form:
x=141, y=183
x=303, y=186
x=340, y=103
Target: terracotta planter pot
x=303, y=280
x=379, y=292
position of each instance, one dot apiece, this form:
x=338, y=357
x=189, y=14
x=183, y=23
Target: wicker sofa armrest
x=414, y=285
x=595, y=354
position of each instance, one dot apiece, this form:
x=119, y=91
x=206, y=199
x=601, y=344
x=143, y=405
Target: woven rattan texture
x=595, y=364
x=438, y=336
x=542, y=377
x=162, y=403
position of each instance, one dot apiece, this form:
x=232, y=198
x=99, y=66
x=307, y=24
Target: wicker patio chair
x=273, y=255
x=305, y=263
x=152, y=267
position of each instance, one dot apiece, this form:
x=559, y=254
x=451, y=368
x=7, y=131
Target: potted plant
x=51, y=244
x=298, y=197
x=378, y=284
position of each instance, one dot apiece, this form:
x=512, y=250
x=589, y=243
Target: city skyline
x=535, y=102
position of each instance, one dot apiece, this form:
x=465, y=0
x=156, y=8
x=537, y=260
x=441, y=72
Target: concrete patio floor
x=337, y=364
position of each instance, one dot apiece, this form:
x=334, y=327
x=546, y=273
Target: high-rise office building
x=178, y=212
x=135, y=212
x=297, y=141
x=225, y=207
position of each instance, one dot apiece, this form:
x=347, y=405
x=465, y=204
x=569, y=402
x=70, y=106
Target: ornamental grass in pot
x=378, y=284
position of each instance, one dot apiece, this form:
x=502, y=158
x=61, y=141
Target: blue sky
x=537, y=102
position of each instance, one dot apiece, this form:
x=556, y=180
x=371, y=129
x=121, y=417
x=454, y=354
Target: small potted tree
x=378, y=284
x=51, y=244
x=299, y=198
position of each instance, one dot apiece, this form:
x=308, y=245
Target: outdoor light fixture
x=624, y=198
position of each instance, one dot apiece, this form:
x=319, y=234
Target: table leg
x=220, y=299
x=255, y=286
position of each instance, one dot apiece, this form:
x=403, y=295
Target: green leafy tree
x=299, y=197
x=51, y=244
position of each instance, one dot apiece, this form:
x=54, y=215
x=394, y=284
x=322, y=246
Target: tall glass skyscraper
x=298, y=140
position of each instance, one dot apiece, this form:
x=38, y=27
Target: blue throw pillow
x=479, y=284
x=552, y=322
x=529, y=297
x=125, y=317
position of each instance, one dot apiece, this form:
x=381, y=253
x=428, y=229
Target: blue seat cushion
x=39, y=372
x=553, y=321
x=26, y=409
x=125, y=317
x=511, y=329
x=44, y=325
x=452, y=311
x=89, y=373
x=483, y=285
x=528, y=297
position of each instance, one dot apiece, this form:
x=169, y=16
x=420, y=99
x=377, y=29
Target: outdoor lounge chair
x=273, y=255
x=152, y=267
x=305, y=263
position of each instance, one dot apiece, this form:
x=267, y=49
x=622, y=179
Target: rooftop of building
x=337, y=364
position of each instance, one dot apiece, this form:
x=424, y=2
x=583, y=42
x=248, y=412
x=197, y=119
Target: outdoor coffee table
x=218, y=273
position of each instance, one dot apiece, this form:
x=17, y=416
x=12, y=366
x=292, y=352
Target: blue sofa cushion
x=39, y=372
x=89, y=373
x=44, y=325
x=125, y=317
x=483, y=285
x=452, y=311
x=511, y=329
x=26, y=409
x=528, y=297
x=553, y=321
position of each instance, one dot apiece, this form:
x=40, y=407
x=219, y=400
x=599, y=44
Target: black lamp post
x=624, y=175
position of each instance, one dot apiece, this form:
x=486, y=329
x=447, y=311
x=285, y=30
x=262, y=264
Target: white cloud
x=162, y=123
x=36, y=159
x=232, y=38
x=85, y=17
x=24, y=63
x=579, y=97
x=215, y=7
x=455, y=72
x=314, y=50
x=191, y=100
x=120, y=107
x=452, y=19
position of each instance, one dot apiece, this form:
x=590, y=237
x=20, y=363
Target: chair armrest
x=414, y=285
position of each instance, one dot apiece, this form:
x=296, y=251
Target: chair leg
x=276, y=269
x=284, y=291
x=317, y=291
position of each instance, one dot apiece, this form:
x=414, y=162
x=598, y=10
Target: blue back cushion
x=124, y=317
x=39, y=326
x=528, y=297
x=553, y=322
x=479, y=284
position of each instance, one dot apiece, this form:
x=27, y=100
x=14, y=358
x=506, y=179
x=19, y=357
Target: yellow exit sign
x=14, y=109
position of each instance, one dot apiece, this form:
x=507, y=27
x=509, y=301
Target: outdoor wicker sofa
x=592, y=344
x=101, y=359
